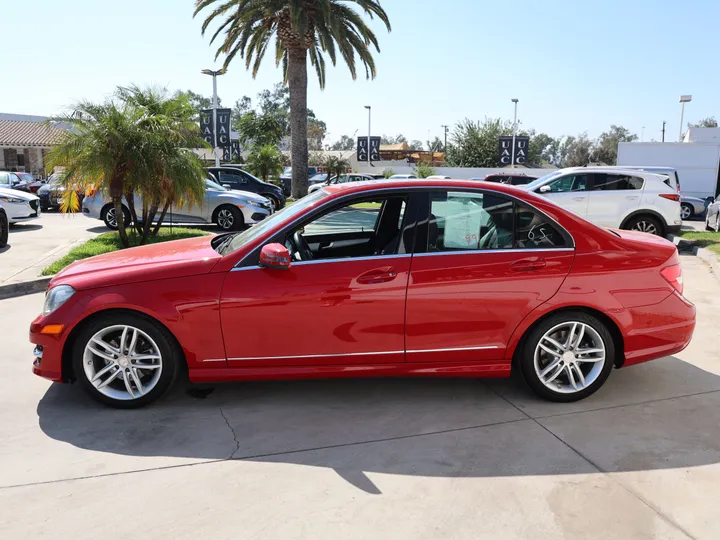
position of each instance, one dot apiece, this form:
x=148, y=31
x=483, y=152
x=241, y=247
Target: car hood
x=14, y=193
x=166, y=260
x=249, y=196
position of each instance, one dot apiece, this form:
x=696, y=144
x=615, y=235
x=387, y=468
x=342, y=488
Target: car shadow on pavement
x=25, y=227
x=660, y=415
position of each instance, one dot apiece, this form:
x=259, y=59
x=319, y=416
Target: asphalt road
x=368, y=459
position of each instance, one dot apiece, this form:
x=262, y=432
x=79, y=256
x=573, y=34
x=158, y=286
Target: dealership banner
x=232, y=152
x=521, y=149
x=206, y=125
x=223, y=127
x=362, y=149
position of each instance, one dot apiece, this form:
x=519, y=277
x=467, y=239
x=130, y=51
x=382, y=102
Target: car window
x=468, y=221
x=520, y=180
x=359, y=217
x=231, y=178
x=461, y=221
x=571, y=182
x=616, y=182
x=213, y=186
x=5, y=178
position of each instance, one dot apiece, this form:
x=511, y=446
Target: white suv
x=615, y=197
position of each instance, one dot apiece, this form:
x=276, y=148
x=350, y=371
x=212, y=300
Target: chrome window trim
x=483, y=251
x=431, y=187
x=251, y=358
x=321, y=261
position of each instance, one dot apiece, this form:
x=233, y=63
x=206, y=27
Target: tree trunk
x=297, y=81
x=162, y=217
x=148, y=219
x=120, y=217
x=130, y=199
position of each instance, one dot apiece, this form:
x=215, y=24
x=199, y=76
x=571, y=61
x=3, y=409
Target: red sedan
x=451, y=278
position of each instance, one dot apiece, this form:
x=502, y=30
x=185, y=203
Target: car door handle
x=377, y=275
x=578, y=198
x=528, y=265
x=631, y=197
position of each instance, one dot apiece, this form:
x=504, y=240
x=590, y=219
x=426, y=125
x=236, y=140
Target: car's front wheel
x=567, y=357
x=125, y=360
x=229, y=218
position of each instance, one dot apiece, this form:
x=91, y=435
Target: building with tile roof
x=24, y=141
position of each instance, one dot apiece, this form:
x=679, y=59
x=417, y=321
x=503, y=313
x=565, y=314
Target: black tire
x=689, y=209
x=4, y=228
x=44, y=208
x=526, y=361
x=273, y=200
x=228, y=218
x=108, y=213
x=169, y=349
x=645, y=223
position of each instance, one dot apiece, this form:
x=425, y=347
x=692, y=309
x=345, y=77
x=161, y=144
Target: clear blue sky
x=575, y=66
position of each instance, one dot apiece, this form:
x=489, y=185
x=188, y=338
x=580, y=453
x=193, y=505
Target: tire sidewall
x=171, y=357
x=527, y=356
x=237, y=219
x=652, y=219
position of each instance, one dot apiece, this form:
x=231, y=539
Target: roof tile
x=24, y=134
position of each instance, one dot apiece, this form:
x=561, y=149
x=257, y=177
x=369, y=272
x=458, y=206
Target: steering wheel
x=302, y=247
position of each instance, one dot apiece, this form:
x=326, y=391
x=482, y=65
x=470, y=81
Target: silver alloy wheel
x=645, y=226
x=122, y=362
x=274, y=204
x=569, y=357
x=225, y=219
x=110, y=217
x=685, y=212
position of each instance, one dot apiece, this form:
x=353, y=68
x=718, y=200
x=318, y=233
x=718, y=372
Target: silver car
x=712, y=217
x=229, y=210
x=691, y=207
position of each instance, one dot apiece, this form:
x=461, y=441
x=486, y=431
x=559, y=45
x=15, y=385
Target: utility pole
x=369, y=108
x=663, y=131
x=683, y=100
x=445, y=128
x=512, y=158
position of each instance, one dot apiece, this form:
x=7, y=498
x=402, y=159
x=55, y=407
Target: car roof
x=399, y=183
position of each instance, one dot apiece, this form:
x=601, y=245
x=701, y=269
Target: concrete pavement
x=33, y=245
x=380, y=459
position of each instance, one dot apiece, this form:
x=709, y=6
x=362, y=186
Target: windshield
x=287, y=213
x=288, y=170
x=212, y=186
x=540, y=181
x=27, y=177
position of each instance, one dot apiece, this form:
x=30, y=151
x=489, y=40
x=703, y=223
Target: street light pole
x=683, y=99
x=369, y=109
x=214, y=75
x=642, y=134
x=445, y=129
x=512, y=158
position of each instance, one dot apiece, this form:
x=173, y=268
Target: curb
x=12, y=290
x=702, y=253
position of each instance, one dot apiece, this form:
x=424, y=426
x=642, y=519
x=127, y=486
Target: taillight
x=673, y=275
x=671, y=196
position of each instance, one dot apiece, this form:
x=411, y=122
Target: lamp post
x=369, y=109
x=642, y=134
x=512, y=155
x=215, y=75
x=445, y=129
x=683, y=99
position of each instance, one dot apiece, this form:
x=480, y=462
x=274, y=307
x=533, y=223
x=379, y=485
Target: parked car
x=342, y=180
x=450, y=278
x=712, y=216
x=51, y=194
x=233, y=177
x=613, y=197
x=403, y=177
x=286, y=178
x=691, y=207
x=19, y=205
x=319, y=178
x=229, y=210
x=437, y=177
x=4, y=227
x=508, y=178
x=28, y=182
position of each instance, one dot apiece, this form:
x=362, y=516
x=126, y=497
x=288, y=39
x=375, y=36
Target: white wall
x=696, y=163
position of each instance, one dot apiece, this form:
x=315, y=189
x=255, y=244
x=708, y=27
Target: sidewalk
x=32, y=246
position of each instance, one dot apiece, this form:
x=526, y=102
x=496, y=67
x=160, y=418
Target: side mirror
x=275, y=256
x=545, y=189
x=226, y=186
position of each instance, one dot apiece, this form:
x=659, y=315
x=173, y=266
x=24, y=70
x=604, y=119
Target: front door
x=342, y=302
x=570, y=192
x=486, y=263
x=613, y=197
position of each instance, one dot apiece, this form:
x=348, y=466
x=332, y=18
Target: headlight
x=11, y=199
x=56, y=297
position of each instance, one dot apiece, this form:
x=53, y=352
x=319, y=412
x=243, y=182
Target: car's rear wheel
x=567, y=357
x=229, y=218
x=110, y=219
x=274, y=202
x=686, y=211
x=4, y=228
x=125, y=360
x=646, y=224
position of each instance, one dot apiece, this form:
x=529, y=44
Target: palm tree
x=266, y=161
x=302, y=29
x=133, y=144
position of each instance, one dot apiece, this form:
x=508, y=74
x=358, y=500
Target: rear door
x=569, y=192
x=613, y=197
x=482, y=263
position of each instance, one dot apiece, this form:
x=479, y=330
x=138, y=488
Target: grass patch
x=709, y=240
x=108, y=242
